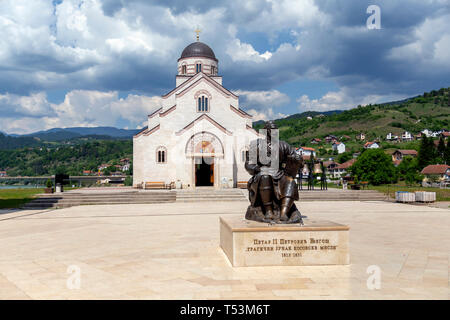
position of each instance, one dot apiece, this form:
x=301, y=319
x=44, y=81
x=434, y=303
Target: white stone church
x=199, y=137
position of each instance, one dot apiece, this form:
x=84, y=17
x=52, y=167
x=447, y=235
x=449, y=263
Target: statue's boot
x=269, y=211
x=286, y=204
x=265, y=191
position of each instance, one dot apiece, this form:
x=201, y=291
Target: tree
x=441, y=149
x=128, y=181
x=447, y=153
x=427, y=152
x=374, y=166
x=343, y=157
x=408, y=170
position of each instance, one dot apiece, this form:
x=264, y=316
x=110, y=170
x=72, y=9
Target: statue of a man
x=273, y=165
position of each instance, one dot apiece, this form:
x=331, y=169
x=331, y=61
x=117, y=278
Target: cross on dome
x=197, y=31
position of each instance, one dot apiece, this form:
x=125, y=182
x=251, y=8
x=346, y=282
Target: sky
x=73, y=63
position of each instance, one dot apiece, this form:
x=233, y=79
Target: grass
x=15, y=198
x=441, y=194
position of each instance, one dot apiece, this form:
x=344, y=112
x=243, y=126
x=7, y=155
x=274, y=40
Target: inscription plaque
x=250, y=243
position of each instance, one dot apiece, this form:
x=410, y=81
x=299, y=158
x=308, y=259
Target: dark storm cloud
x=335, y=45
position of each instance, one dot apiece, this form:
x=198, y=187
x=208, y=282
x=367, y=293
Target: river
x=21, y=187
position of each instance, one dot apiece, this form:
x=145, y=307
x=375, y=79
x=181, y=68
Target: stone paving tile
x=171, y=251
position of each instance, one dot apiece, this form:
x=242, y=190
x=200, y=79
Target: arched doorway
x=204, y=166
x=205, y=149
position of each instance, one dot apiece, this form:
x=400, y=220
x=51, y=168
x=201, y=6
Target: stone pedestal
x=318, y=242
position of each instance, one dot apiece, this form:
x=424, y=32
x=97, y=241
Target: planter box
x=48, y=190
x=405, y=197
x=423, y=196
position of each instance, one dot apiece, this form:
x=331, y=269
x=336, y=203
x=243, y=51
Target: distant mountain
x=303, y=115
x=7, y=142
x=61, y=134
x=105, y=131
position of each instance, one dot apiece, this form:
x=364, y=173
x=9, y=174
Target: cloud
x=266, y=114
x=245, y=52
x=262, y=99
x=115, y=46
x=79, y=108
x=342, y=100
x=35, y=105
x=261, y=104
x=431, y=47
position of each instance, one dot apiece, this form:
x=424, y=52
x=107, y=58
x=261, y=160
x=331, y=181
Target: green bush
x=374, y=166
x=128, y=181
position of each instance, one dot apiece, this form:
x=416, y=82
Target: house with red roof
x=371, y=145
x=439, y=172
x=306, y=151
x=339, y=147
x=397, y=155
x=342, y=169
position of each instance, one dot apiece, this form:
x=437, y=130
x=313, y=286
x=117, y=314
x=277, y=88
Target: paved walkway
x=171, y=251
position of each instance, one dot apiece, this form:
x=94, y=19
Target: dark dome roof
x=198, y=49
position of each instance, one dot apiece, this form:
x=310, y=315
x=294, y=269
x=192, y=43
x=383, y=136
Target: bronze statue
x=272, y=188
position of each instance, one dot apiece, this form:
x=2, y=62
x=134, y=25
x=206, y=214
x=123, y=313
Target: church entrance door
x=204, y=172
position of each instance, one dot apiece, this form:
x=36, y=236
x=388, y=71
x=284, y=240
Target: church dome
x=198, y=49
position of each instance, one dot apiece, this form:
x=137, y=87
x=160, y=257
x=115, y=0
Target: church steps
x=70, y=199
x=105, y=197
x=66, y=200
x=72, y=204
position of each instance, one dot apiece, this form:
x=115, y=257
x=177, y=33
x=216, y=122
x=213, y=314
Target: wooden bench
x=242, y=184
x=155, y=185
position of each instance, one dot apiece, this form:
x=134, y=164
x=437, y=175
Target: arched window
x=161, y=155
x=202, y=104
x=213, y=70
x=183, y=69
x=198, y=67
x=203, y=101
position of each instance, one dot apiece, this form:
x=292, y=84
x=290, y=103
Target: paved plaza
x=171, y=251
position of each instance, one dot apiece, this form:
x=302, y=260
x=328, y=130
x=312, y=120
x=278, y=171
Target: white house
x=198, y=135
x=371, y=145
x=436, y=134
x=306, y=151
x=390, y=137
x=427, y=132
x=339, y=147
x=407, y=136
x=341, y=169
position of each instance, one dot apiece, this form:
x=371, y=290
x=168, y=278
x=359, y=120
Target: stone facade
x=191, y=144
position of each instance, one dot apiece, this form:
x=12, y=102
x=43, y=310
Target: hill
x=302, y=115
x=8, y=142
x=428, y=111
x=69, y=159
x=63, y=136
x=60, y=134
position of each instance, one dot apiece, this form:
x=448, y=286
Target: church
x=198, y=136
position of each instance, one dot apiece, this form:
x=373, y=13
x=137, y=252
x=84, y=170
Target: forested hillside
x=69, y=159
x=428, y=111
